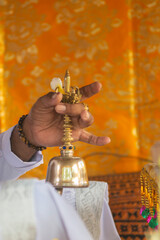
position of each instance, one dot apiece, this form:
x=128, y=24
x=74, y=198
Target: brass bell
x=67, y=170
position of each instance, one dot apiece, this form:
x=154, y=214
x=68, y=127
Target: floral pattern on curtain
x=114, y=42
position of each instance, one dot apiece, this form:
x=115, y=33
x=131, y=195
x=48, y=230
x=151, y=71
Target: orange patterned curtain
x=114, y=42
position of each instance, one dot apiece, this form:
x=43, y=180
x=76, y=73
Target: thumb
x=49, y=100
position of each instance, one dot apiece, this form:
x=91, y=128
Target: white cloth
x=11, y=167
x=108, y=229
x=35, y=211
x=17, y=214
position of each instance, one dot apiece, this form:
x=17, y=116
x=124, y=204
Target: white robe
x=11, y=167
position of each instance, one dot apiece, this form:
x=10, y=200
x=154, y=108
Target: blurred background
x=114, y=42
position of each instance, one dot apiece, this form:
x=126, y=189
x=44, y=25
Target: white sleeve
x=108, y=228
x=11, y=167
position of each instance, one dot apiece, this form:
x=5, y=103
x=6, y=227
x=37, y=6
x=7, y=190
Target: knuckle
x=73, y=109
x=91, y=139
x=69, y=108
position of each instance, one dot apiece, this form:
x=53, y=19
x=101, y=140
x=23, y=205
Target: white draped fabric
x=17, y=218
x=33, y=210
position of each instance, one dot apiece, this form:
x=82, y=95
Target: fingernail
x=55, y=95
x=60, y=108
x=86, y=115
x=109, y=140
x=100, y=85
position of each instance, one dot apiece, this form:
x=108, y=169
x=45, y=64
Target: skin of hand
x=44, y=124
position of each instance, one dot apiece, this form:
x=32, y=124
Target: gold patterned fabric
x=114, y=42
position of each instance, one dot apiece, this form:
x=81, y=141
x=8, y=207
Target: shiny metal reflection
x=67, y=171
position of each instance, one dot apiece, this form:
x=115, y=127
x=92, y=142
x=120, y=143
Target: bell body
x=67, y=172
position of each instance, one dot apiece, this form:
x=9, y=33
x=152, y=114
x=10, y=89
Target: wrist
x=19, y=148
x=27, y=130
x=25, y=134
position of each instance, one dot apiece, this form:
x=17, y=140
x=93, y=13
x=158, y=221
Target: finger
x=92, y=139
x=49, y=100
x=90, y=90
x=70, y=109
x=86, y=119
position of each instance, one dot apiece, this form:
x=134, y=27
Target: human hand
x=44, y=124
